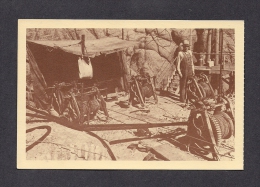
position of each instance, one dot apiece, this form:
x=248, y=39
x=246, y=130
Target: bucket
x=210, y=63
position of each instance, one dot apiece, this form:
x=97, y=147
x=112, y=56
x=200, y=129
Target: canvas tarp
x=35, y=82
x=93, y=47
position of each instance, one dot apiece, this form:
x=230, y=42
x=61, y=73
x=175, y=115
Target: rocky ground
x=65, y=143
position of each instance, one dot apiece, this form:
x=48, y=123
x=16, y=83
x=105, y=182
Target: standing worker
x=185, y=68
x=178, y=49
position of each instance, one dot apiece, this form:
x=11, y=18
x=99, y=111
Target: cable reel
x=222, y=126
x=199, y=88
x=207, y=130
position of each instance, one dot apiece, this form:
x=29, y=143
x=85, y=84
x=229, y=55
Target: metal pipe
x=106, y=126
x=130, y=126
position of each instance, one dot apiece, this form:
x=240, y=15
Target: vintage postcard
x=130, y=94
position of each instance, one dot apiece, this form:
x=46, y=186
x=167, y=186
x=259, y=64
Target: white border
x=22, y=163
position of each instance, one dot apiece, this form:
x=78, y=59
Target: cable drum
x=198, y=89
x=222, y=126
x=202, y=91
x=227, y=124
x=205, y=89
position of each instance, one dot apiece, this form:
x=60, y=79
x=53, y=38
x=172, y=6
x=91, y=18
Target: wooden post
x=36, y=36
x=81, y=117
x=126, y=75
x=83, y=44
x=123, y=37
x=217, y=48
x=199, y=46
x=208, y=45
x=224, y=60
x=213, y=37
x=221, y=64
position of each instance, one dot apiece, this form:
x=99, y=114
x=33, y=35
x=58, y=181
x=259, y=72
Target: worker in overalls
x=178, y=49
x=185, y=68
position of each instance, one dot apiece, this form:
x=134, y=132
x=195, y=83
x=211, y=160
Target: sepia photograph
x=96, y=94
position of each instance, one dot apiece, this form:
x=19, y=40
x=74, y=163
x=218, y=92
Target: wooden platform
x=215, y=69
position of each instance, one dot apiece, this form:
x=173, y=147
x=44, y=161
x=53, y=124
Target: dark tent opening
x=58, y=65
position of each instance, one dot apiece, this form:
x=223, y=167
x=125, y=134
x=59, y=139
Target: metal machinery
x=141, y=87
x=211, y=120
x=74, y=102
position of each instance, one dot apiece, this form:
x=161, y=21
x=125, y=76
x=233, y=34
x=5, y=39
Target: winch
x=211, y=120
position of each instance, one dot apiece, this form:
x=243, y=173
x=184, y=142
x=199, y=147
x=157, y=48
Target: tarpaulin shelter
x=35, y=82
x=58, y=60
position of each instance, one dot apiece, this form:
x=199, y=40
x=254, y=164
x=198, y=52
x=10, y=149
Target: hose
x=48, y=128
x=57, y=120
x=110, y=152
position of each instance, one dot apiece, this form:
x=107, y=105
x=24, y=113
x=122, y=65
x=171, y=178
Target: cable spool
x=228, y=124
x=199, y=89
x=205, y=89
x=222, y=126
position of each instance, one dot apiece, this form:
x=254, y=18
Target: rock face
x=154, y=50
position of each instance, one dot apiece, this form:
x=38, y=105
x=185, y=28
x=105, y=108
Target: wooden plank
x=214, y=69
x=171, y=153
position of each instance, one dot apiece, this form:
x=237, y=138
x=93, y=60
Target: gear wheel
x=223, y=125
x=227, y=123
x=217, y=131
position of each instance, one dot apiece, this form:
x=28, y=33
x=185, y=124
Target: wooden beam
x=217, y=48
x=123, y=36
x=83, y=44
x=213, y=37
x=208, y=45
x=221, y=63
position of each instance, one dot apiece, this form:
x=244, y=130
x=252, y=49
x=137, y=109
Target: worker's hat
x=186, y=43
